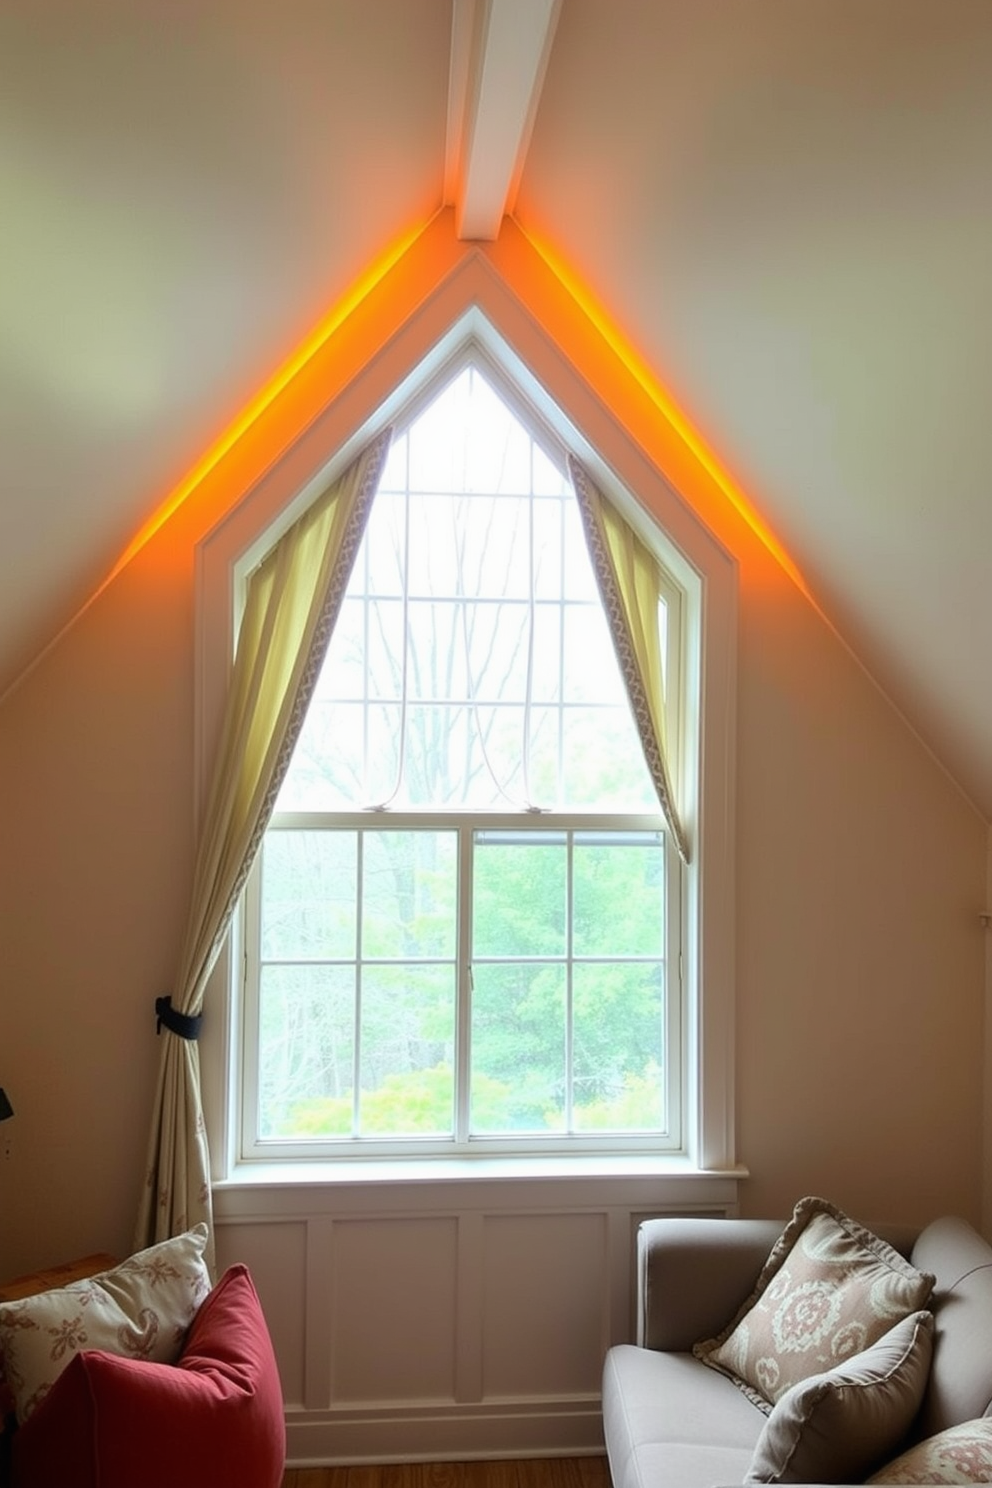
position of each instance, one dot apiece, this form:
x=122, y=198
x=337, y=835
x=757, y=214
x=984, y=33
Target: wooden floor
x=542, y=1472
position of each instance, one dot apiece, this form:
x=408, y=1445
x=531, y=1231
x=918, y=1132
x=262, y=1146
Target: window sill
x=419, y=1184
x=458, y=1169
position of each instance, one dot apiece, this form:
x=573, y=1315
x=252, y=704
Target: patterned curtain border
x=588, y=495
x=375, y=455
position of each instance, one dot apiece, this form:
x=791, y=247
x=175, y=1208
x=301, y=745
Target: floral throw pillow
x=141, y=1309
x=829, y=1289
x=961, y=1454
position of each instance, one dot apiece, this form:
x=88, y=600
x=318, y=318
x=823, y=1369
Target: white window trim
x=253, y=1149
x=701, y=565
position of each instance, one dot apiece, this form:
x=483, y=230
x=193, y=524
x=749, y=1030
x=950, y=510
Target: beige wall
x=95, y=764
x=860, y=954
x=860, y=960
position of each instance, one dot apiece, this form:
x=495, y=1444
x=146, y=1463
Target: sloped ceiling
x=786, y=208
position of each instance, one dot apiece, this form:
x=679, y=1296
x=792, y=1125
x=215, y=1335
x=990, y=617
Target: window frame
x=253, y=1148
x=478, y=308
x=465, y=822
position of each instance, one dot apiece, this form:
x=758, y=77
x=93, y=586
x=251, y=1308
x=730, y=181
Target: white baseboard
x=443, y=1432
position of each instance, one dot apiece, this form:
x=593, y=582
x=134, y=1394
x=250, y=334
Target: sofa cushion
x=828, y=1289
x=213, y=1420
x=836, y=1426
x=141, y=1309
x=960, y=1386
x=961, y=1454
x=666, y=1419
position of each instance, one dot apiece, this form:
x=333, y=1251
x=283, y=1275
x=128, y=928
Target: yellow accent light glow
x=267, y=395
x=648, y=382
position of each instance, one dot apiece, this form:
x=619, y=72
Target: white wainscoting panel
x=545, y=1295
x=462, y=1317
x=392, y=1334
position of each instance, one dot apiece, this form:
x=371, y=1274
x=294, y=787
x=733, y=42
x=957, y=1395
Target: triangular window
x=464, y=928
x=472, y=667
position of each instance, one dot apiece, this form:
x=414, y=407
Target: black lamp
x=6, y=1109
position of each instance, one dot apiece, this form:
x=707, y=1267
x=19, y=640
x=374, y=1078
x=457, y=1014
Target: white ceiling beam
x=499, y=56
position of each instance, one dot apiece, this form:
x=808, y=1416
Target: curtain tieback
x=180, y=1023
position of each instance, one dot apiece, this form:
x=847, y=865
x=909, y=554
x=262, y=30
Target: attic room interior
x=721, y=267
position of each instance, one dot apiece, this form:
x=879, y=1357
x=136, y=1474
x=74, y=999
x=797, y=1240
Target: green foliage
x=420, y=1104
x=637, y=1107
x=416, y=1104
x=525, y=987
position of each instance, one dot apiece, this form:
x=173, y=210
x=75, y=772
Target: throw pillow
x=834, y=1427
x=141, y=1308
x=961, y=1454
x=828, y=1289
x=213, y=1420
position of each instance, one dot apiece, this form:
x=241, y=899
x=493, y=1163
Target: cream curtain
x=292, y=603
x=628, y=577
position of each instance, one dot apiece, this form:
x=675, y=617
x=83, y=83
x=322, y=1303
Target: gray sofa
x=671, y=1420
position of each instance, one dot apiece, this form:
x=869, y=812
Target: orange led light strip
x=249, y=415
x=267, y=395
x=639, y=370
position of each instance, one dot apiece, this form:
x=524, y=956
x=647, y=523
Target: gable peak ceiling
x=785, y=210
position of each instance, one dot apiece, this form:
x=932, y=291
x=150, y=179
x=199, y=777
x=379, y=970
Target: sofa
x=674, y=1415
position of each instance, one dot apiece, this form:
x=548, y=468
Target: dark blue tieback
x=186, y=1027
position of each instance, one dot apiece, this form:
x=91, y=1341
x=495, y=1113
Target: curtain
x=292, y=602
x=628, y=576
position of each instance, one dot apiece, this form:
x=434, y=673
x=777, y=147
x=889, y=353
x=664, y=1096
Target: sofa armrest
x=693, y=1275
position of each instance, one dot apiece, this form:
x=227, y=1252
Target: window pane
x=548, y=479
x=384, y=650
x=383, y=722
x=580, y=581
x=394, y=473
x=497, y=639
x=596, y=775
x=619, y=905
x=326, y=771
x=441, y=755
x=545, y=755
x=343, y=674
x=383, y=547
x=546, y=686
x=408, y=895
x=519, y=896
x=434, y=543
x=547, y=549
x=437, y=443
x=591, y=670
x=518, y=1048
x=436, y=652
x=501, y=544
x=407, y=1051
x=618, y=1047
x=306, y=1050
x=308, y=895
x=498, y=760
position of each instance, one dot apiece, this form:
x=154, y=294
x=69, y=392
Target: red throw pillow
x=213, y=1420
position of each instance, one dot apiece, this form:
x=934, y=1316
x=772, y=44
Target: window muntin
x=471, y=675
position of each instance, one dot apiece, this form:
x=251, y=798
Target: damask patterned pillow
x=961, y=1454
x=828, y=1289
x=141, y=1309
